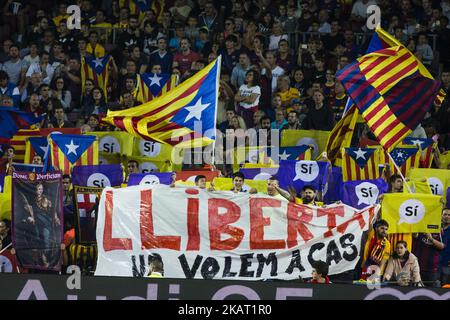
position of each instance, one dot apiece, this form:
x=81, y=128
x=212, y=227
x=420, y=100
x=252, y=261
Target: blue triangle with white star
x=199, y=114
x=39, y=145
x=360, y=155
x=401, y=155
x=97, y=64
x=422, y=142
x=155, y=82
x=72, y=145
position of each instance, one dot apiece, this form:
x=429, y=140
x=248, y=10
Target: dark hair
x=134, y=161
x=3, y=75
x=133, y=16
x=394, y=177
x=200, y=176
x=273, y=178
x=265, y=118
x=381, y=223
x=321, y=268
x=238, y=175
x=406, y=255
x=308, y=187
x=231, y=37
x=56, y=103
x=255, y=81
x=66, y=176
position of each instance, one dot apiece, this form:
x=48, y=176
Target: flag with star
x=360, y=163
x=185, y=116
x=302, y=152
x=405, y=158
x=35, y=146
x=96, y=69
x=427, y=145
x=68, y=150
x=152, y=85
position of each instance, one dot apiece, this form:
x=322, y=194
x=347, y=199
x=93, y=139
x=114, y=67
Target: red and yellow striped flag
x=96, y=69
x=18, y=141
x=151, y=86
x=68, y=150
x=360, y=163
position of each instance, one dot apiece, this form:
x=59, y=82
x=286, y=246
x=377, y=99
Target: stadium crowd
x=279, y=61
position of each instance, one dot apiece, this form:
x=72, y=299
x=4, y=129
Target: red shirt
x=185, y=61
x=327, y=281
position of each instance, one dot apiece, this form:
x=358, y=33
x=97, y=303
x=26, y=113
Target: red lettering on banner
x=110, y=243
x=220, y=223
x=192, y=223
x=257, y=223
x=148, y=238
x=358, y=217
x=297, y=217
x=331, y=214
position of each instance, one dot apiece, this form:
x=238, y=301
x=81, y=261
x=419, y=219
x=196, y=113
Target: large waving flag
x=438, y=179
x=427, y=146
x=185, y=117
x=152, y=85
x=298, y=174
x=12, y=119
x=67, y=150
x=341, y=136
x=96, y=69
x=101, y=176
x=360, y=164
x=114, y=142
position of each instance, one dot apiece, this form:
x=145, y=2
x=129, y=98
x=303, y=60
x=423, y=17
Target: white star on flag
x=45, y=149
x=72, y=148
x=360, y=154
x=155, y=80
x=284, y=155
x=98, y=62
x=417, y=143
x=196, y=110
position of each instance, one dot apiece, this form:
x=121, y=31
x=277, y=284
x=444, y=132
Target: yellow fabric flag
x=6, y=199
x=444, y=159
x=437, y=178
x=114, y=142
x=318, y=139
x=409, y=213
x=109, y=158
x=226, y=184
x=418, y=186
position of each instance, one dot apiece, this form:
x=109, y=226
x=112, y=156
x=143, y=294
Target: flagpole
x=219, y=65
x=400, y=172
x=4, y=249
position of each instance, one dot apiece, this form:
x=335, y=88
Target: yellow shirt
x=98, y=52
x=155, y=275
x=290, y=94
x=386, y=251
x=58, y=19
x=314, y=203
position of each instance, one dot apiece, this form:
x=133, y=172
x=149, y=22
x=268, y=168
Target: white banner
x=223, y=235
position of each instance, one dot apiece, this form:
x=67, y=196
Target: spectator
x=33, y=105
x=133, y=167
x=257, y=116
x=230, y=113
x=284, y=59
x=162, y=57
x=403, y=264
x=238, y=184
x=445, y=254
x=247, y=97
x=94, y=48
x=230, y=55
x=60, y=92
x=94, y=122
x=320, y=116
x=276, y=36
x=239, y=74
x=68, y=194
x=285, y=91
x=174, y=43
x=271, y=69
x=210, y=18
x=320, y=273
x=376, y=250
x=423, y=50
x=185, y=58
x=97, y=105
x=292, y=122
x=9, y=89
x=5, y=235
x=156, y=268
x=60, y=116
x=13, y=67
x=280, y=119
x=33, y=56
x=200, y=181
x=43, y=67
x=309, y=195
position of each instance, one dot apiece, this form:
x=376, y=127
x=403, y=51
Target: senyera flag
x=185, y=116
x=12, y=119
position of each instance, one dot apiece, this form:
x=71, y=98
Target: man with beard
x=131, y=36
x=376, y=250
x=308, y=196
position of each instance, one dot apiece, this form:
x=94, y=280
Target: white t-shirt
x=248, y=91
x=273, y=44
x=278, y=71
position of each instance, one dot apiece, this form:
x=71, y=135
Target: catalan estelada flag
x=12, y=120
x=152, y=85
x=391, y=94
x=360, y=164
x=341, y=135
x=96, y=69
x=405, y=158
x=426, y=145
x=185, y=116
x=35, y=146
x=67, y=150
